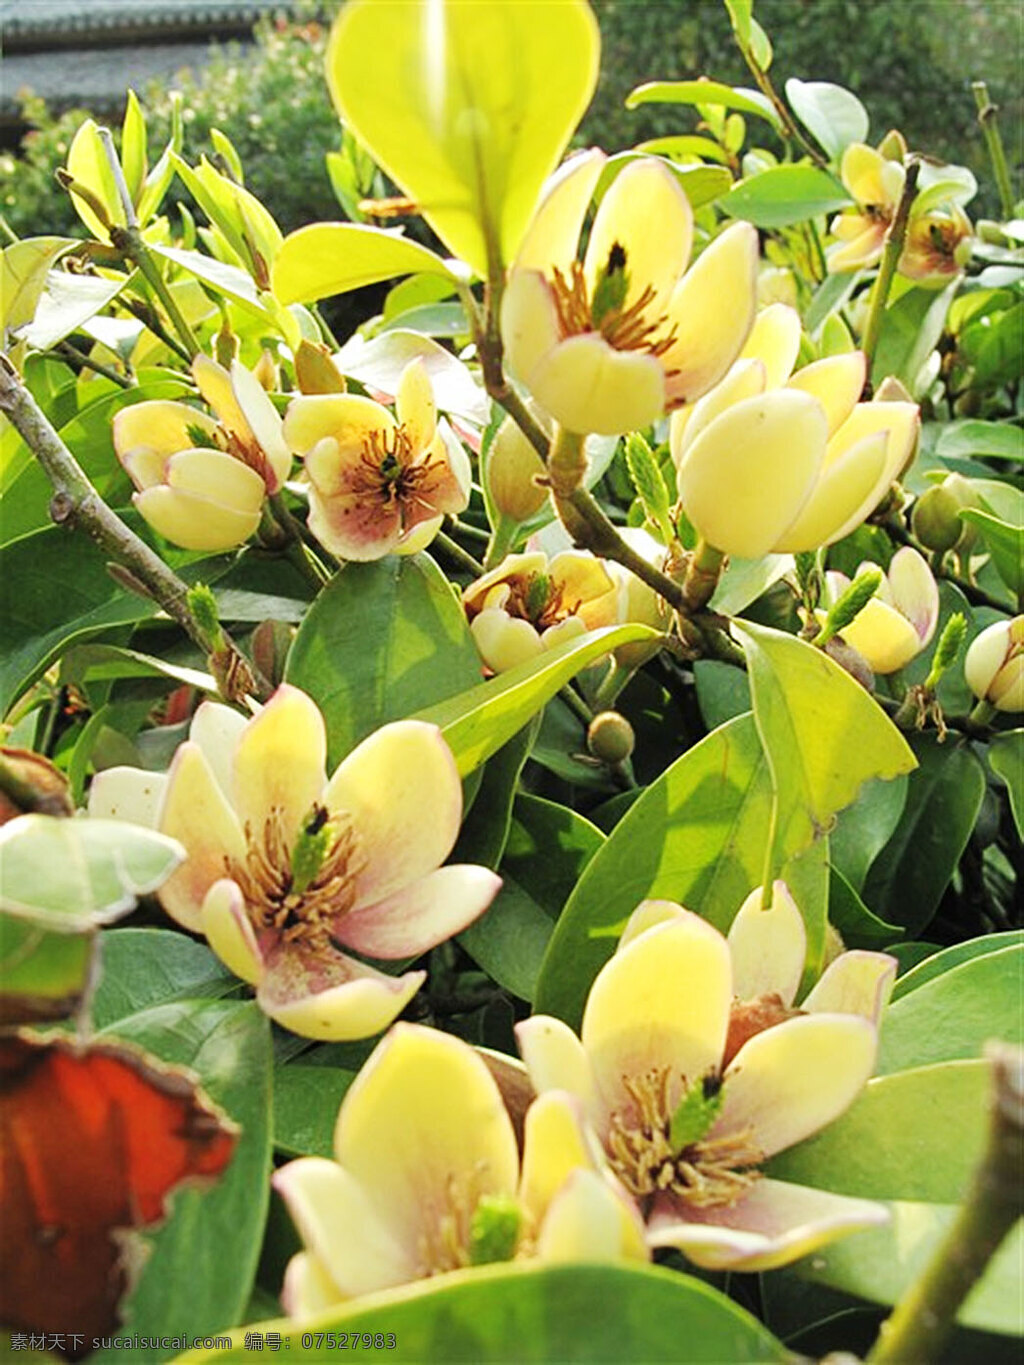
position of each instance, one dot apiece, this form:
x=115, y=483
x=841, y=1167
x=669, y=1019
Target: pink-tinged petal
x=414, y=405
x=217, y=729
x=504, y=641
x=402, y=790
x=746, y=379
x=420, y=915
x=856, y=982
x=789, y=1081
x=914, y=591
x=863, y=248
x=646, y=915
x=196, y=812
x=768, y=946
x=662, y=1002
x=331, y=997
x=307, y=1287
x=530, y=327
x=847, y=490
x=127, y=794
x=557, y=1140
x=423, y=1128
x=556, y=1060
x=712, y=310
x=193, y=522
x=836, y=382
x=774, y=340
x=279, y=763
x=645, y=212
x=229, y=931
x=588, y=386
x=354, y=527
x=145, y=468
x=773, y=1224
x=412, y=542
x=337, y=1221
x=553, y=236
x=347, y=417
x=159, y=426
x=588, y=1220
x=264, y=421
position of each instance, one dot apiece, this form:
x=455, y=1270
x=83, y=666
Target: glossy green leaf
x=830, y=296
x=992, y=440
x=143, y=968
x=905, y=882
x=246, y=225
x=68, y=875
x=703, y=92
x=43, y=975
x=823, y=734
x=683, y=147
x=1006, y=757
x=833, y=114
x=862, y=830
x=88, y=165
x=855, y=923
x=486, y=824
x=133, y=146
x=331, y=258
x=1004, y=542
x=306, y=1103
x=68, y=301
x=202, y=1262
x=938, y=962
x=722, y=691
x=224, y=278
x=530, y=1314
x=23, y=270
x=468, y=138
x=477, y=723
x=783, y=195
x=381, y=641
x=911, y=328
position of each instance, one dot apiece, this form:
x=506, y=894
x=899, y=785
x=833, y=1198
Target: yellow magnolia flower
x=876, y=182
x=774, y=461
x=427, y=1179
x=377, y=485
x=286, y=869
x=202, y=481
x=937, y=244
x=994, y=665
x=527, y=605
x=900, y=619
x=608, y=344
x=692, y=1090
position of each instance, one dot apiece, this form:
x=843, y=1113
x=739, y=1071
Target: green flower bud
x=610, y=737
x=315, y=371
x=934, y=520
x=203, y=606
x=494, y=1229
x=511, y=470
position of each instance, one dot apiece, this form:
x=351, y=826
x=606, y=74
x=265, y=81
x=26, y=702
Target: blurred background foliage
x=910, y=63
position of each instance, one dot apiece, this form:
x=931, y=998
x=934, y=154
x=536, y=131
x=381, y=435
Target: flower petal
x=646, y=915
x=836, y=382
x=264, y=421
x=307, y=1287
x=774, y=340
x=862, y=247
x=420, y=915
x=229, y=931
x=217, y=729
x=402, y=790
x=856, y=982
x=902, y=422
x=847, y=490
x=588, y=386
x=556, y=1059
x=885, y=638
x=773, y=1224
x=503, y=640
x=214, y=383
x=332, y=998
x=789, y=1081
x=529, y=322
x=581, y=576
x=915, y=591
x=746, y=379
x=354, y=527
x=217, y=476
x=587, y=1220
x=195, y=523
x=279, y=762
x=196, y=812
x=552, y=239
x=160, y=426
x=347, y=417
x=768, y=946
x=414, y=405
x=557, y=1141
x=127, y=794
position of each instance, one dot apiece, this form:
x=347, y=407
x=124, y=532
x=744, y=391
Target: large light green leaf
x=529, y=1314
x=66, y=303
x=23, y=268
x=468, y=107
x=911, y=328
x=332, y=258
x=823, y=734
x=142, y=968
x=306, y=1103
x=68, y=875
x=832, y=113
x=1005, y=543
x=994, y=440
x=783, y=195
x=477, y=723
x=381, y=641
x=43, y=975
x=1006, y=757
x=863, y=829
x=703, y=91
x=938, y=962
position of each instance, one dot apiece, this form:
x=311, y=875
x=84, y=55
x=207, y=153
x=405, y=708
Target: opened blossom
x=610, y=342
x=895, y=625
x=772, y=460
x=202, y=479
x=527, y=605
x=378, y=483
x=695, y=1069
x=286, y=869
x=427, y=1179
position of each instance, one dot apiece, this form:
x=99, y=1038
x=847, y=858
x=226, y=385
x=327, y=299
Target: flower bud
x=994, y=666
x=934, y=519
x=610, y=737
x=511, y=471
x=966, y=496
x=315, y=371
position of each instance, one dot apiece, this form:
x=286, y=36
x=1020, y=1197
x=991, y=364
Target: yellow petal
x=588, y=1221
x=768, y=946
x=846, y=492
x=414, y=405
x=125, y=793
x=229, y=931
x=347, y=418
x=746, y=477
x=263, y=420
x=856, y=982
x=412, y=542
x=479, y=593
x=193, y=522
x=863, y=248
x=885, y=638
x=279, y=763
x=836, y=382
x=364, y=1004
x=158, y=425
x=556, y=1142
x=581, y=576
x=217, y=729
x=218, y=477
x=529, y=322
x=307, y=1287
x=196, y=812
x=914, y=591
x=746, y=379
x=569, y=629
x=588, y=386
x=901, y=420
x=646, y=915
x=214, y=383
x=553, y=236
x=712, y=310
x=774, y=340
x=864, y=173
x=555, y=1059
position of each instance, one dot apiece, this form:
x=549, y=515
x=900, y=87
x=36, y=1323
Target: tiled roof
x=49, y=21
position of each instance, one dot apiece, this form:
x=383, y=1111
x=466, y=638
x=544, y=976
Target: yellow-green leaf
x=88, y=166
x=331, y=258
x=133, y=147
x=468, y=107
x=24, y=268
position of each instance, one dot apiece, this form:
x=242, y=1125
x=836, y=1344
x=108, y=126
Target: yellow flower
x=202, y=481
x=426, y=1179
x=688, y=1114
x=527, y=605
x=285, y=869
x=994, y=665
x=610, y=343
x=377, y=485
x=897, y=623
x=876, y=182
x=938, y=242
x=774, y=461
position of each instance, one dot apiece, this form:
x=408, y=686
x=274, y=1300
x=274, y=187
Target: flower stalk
x=894, y=240
x=987, y=112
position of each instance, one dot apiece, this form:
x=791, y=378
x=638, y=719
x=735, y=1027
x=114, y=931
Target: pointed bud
x=511, y=470
x=315, y=371
x=946, y=651
x=850, y=604
x=266, y=373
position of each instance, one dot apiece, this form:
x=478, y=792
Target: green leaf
x=783, y=195
x=66, y=303
x=744, y=580
x=847, y=913
x=87, y=164
x=229, y=280
x=823, y=734
x=938, y=962
x=381, y=641
x=863, y=829
x=306, y=1103
x=703, y=92
x=1004, y=542
x=68, y=875
x=997, y=354
x=23, y=270
x=486, y=827
x=974, y=440
x=531, y=1314
x=133, y=146
x=379, y=362
x=1006, y=758
x=911, y=328
x=906, y=881
x=143, y=968
x=43, y=975
x=478, y=722
x=829, y=297
x=324, y=259
x=682, y=147
x=650, y=486
x=202, y=1263
x=722, y=691
x=468, y=137
x=833, y=114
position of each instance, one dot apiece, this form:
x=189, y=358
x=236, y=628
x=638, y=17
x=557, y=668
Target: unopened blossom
x=895, y=625
x=528, y=604
x=286, y=869
x=427, y=1179
x=202, y=480
x=378, y=483
x=772, y=460
x=994, y=665
x=690, y=1105
x=610, y=342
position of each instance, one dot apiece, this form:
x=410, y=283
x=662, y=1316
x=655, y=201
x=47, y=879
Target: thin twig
x=891, y=253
